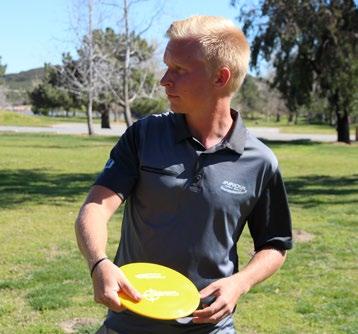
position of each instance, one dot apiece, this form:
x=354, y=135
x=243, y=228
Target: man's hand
x=108, y=280
x=227, y=292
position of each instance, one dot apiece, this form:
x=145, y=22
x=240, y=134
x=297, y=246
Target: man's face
x=187, y=82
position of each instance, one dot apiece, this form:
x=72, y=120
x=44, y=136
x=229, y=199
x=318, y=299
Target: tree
x=2, y=90
x=111, y=82
x=66, y=86
x=133, y=47
x=50, y=94
x=80, y=75
x=2, y=69
x=312, y=46
x=110, y=68
x=123, y=83
x=249, y=98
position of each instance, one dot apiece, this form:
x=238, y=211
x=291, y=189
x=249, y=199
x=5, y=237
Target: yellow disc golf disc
x=166, y=293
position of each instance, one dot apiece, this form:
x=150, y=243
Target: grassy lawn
x=44, y=281
x=17, y=119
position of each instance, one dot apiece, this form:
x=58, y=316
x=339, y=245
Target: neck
x=211, y=126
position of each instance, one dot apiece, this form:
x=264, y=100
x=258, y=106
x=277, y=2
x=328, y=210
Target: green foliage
x=67, y=86
x=2, y=69
x=145, y=106
x=313, y=47
x=109, y=57
x=49, y=95
x=249, y=97
x=111, y=43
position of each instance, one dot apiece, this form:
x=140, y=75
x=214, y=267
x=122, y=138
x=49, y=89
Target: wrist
x=95, y=264
x=244, y=282
x=92, y=259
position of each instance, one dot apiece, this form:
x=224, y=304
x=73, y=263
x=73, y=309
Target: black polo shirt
x=186, y=206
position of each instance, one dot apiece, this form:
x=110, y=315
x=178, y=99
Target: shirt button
x=198, y=177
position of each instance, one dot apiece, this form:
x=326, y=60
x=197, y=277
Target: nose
x=165, y=80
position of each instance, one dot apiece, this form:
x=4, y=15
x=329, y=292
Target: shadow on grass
x=314, y=190
x=25, y=187
x=295, y=142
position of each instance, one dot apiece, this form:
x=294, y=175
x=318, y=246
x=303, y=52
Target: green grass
x=12, y=118
x=286, y=127
x=17, y=119
x=44, y=281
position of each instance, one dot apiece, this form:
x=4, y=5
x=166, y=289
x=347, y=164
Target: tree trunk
x=90, y=79
x=127, y=109
x=290, y=117
x=342, y=118
x=105, y=119
x=89, y=116
x=278, y=117
x=330, y=118
x=343, y=128
x=296, y=117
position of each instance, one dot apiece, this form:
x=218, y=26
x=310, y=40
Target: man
x=190, y=180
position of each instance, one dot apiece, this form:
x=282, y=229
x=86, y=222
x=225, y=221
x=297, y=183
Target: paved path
x=118, y=129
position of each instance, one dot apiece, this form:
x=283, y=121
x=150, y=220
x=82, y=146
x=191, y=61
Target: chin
x=175, y=108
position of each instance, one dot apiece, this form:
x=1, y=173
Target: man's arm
x=228, y=290
x=91, y=233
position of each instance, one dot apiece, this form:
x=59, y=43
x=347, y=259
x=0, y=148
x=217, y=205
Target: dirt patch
x=72, y=325
x=302, y=236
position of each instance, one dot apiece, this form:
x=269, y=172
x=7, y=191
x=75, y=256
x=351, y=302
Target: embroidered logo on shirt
x=109, y=164
x=233, y=188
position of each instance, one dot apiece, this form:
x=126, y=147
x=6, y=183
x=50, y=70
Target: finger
x=208, y=291
x=212, y=314
x=112, y=301
x=214, y=318
x=129, y=290
x=210, y=310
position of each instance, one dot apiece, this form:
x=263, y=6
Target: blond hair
x=221, y=42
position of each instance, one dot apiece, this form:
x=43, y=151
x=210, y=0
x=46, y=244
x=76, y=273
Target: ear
x=222, y=77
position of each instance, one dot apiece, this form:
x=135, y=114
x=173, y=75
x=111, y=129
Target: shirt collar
x=181, y=128
x=237, y=136
x=235, y=139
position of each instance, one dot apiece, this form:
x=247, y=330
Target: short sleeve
x=270, y=221
x=120, y=173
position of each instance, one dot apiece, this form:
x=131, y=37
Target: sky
x=34, y=32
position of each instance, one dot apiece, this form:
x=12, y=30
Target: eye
x=180, y=69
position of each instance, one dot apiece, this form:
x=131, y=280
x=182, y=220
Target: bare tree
x=79, y=75
x=111, y=69
x=83, y=76
x=135, y=53
x=3, y=100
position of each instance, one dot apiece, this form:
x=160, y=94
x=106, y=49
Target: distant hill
x=24, y=80
x=19, y=84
